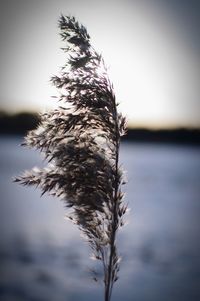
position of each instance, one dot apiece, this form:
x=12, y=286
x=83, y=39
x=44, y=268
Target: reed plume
x=81, y=139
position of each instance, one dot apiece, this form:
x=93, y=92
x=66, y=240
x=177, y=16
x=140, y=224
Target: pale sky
x=152, y=49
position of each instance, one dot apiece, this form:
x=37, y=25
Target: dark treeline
x=179, y=135
x=19, y=124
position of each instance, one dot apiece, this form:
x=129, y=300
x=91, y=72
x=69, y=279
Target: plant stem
x=109, y=280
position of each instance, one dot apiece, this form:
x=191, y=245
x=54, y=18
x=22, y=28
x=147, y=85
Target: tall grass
x=81, y=139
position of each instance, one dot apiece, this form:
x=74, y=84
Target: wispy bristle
x=81, y=146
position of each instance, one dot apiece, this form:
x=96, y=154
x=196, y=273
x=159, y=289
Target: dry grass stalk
x=81, y=144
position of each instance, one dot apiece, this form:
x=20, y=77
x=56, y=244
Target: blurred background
x=152, y=49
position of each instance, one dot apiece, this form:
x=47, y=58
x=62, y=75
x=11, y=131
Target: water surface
x=42, y=256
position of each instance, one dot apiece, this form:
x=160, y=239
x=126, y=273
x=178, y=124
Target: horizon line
x=130, y=124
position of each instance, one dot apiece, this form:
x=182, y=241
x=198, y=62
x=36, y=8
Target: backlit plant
x=80, y=139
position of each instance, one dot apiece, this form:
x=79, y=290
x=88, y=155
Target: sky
x=151, y=48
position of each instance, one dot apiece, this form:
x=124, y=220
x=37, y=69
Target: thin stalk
x=108, y=280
